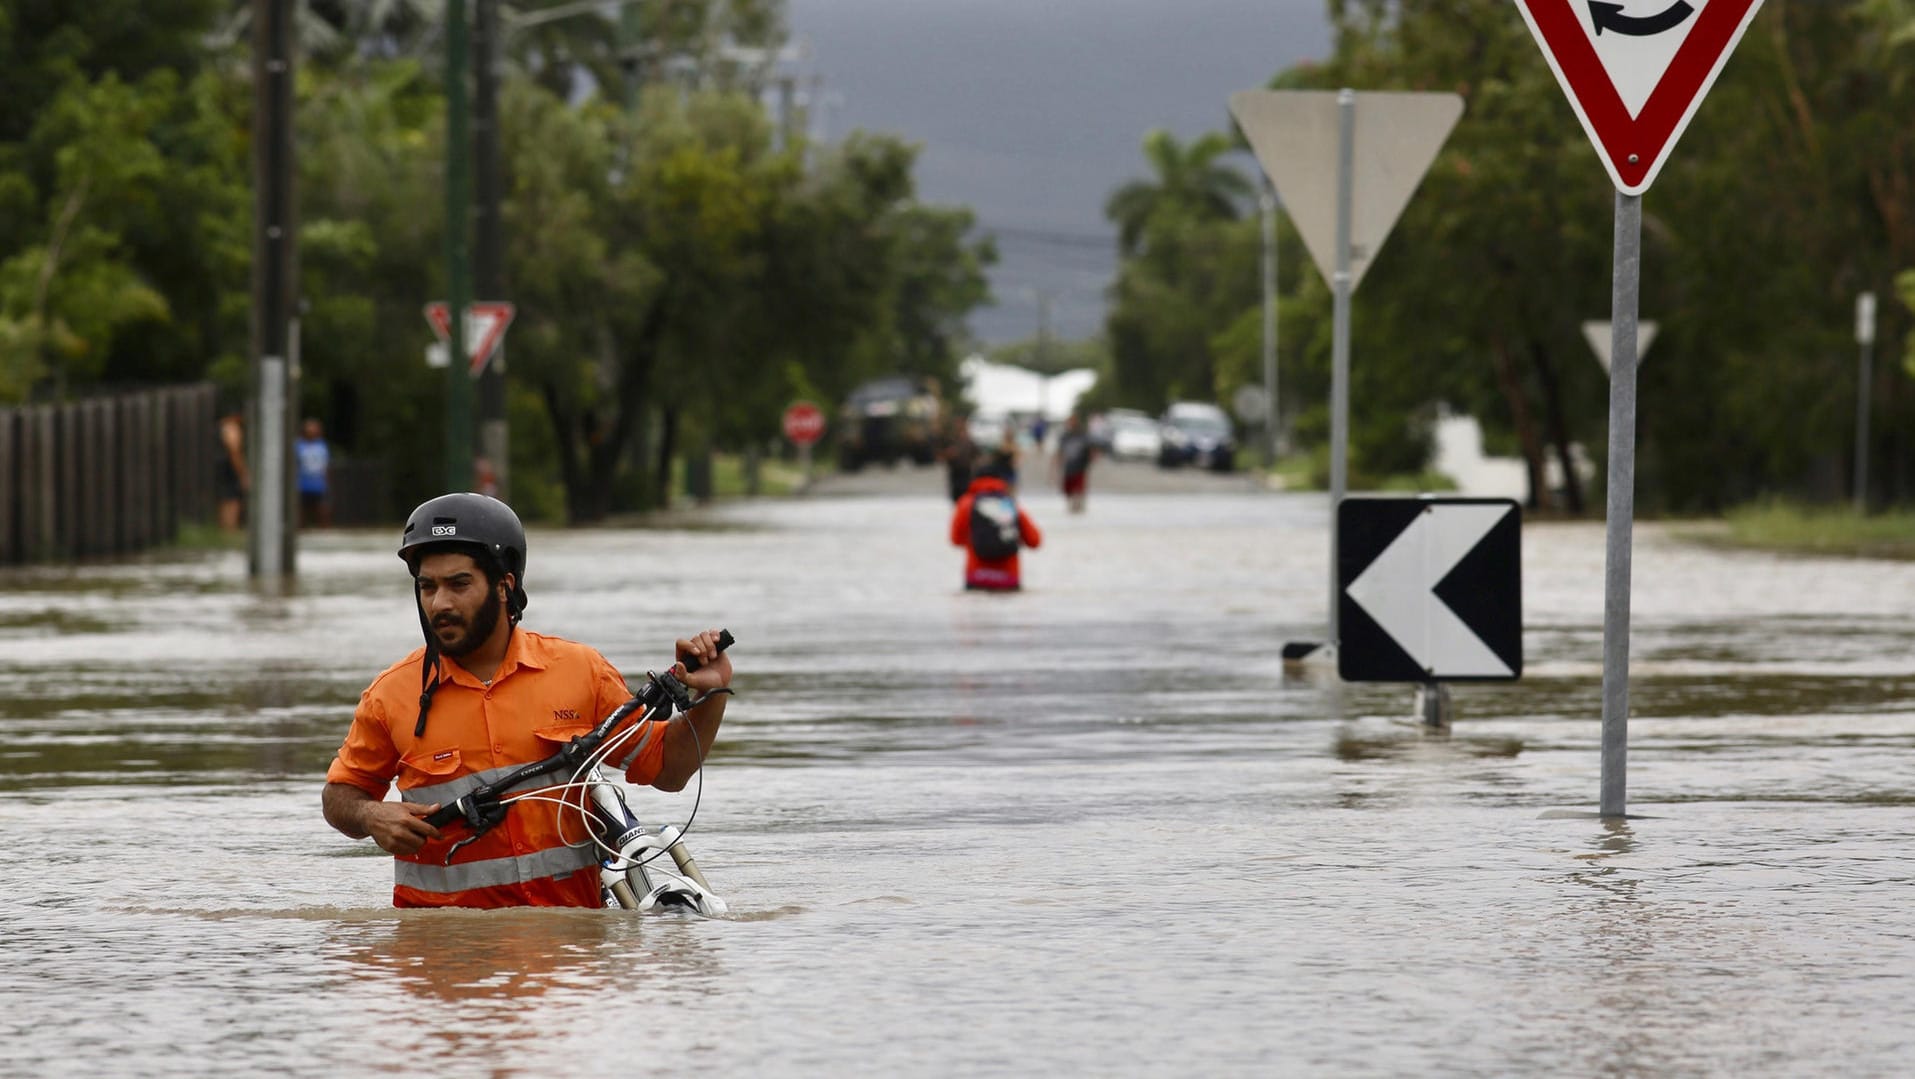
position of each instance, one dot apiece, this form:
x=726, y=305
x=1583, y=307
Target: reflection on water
x=510, y=957
x=1089, y=829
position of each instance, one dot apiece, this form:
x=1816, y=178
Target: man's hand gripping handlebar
x=483, y=807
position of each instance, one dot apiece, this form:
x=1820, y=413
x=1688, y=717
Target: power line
x=1078, y=240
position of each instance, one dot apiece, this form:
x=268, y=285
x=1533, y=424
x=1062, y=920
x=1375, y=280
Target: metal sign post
x=1622, y=503
x=1340, y=286
x=1635, y=81
x=1267, y=203
x=1865, y=340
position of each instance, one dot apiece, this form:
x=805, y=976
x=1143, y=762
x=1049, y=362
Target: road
x=1108, y=476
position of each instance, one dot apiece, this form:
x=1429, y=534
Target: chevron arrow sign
x=1430, y=589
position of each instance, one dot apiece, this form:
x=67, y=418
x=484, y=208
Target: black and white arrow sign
x=1430, y=589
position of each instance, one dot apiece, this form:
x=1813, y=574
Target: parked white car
x=1133, y=435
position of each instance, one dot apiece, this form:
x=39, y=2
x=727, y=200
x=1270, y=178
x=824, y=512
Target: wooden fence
x=106, y=476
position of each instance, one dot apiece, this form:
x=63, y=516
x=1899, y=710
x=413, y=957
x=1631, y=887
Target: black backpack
x=994, y=532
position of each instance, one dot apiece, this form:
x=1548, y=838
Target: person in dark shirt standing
x=1072, y=463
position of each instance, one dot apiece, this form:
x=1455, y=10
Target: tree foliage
x=1792, y=191
x=1182, y=273
x=681, y=271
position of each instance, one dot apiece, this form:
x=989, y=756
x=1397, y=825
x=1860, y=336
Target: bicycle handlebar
x=481, y=807
x=725, y=640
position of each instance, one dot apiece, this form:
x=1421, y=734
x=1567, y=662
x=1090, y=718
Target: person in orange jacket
x=481, y=697
x=991, y=527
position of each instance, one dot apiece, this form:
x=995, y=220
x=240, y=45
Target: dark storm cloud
x=1032, y=111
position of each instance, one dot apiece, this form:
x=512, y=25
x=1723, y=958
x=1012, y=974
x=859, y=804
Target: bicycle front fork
x=643, y=887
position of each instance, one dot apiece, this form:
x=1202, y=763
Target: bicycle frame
x=628, y=875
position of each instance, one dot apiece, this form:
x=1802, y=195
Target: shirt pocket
x=425, y=768
x=553, y=738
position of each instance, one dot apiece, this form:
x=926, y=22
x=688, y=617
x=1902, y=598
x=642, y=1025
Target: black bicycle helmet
x=472, y=520
x=482, y=523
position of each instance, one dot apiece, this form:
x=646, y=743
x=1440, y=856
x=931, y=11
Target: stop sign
x=804, y=423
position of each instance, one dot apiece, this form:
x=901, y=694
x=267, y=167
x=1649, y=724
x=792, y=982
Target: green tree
x=1187, y=183
x=1788, y=195
x=1182, y=274
x=123, y=238
x=680, y=281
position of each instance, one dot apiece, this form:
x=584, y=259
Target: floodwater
x=1090, y=829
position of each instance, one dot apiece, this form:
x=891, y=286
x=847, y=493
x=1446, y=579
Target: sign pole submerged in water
x=1634, y=83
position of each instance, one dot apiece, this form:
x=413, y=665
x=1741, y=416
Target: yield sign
x=1430, y=589
x=1395, y=136
x=485, y=324
x=1601, y=338
x=1635, y=70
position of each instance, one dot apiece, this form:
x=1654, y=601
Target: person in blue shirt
x=315, y=463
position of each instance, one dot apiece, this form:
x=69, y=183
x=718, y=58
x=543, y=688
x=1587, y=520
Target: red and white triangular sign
x=1635, y=70
x=485, y=324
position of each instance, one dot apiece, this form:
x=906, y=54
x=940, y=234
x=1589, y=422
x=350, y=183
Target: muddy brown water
x=1090, y=829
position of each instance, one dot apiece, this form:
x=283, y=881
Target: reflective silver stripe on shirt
x=450, y=791
x=643, y=740
x=492, y=872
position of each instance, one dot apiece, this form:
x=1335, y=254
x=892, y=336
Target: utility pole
x=458, y=432
x=631, y=38
x=1267, y=202
x=488, y=251
x=787, y=110
x=271, y=533
x=1043, y=358
x=1865, y=338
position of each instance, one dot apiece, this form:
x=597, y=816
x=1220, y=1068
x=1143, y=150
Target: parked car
x=1098, y=429
x=1197, y=433
x=1134, y=436
x=887, y=420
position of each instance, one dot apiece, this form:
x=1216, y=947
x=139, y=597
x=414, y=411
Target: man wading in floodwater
x=482, y=697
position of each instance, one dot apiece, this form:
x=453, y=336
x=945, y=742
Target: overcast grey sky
x=1032, y=111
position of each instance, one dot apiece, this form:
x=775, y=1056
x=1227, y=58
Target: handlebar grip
x=445, y=814
x=725, y=640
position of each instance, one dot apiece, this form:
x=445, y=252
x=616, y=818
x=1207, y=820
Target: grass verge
x=1788, y=526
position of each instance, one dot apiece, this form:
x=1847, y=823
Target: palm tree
x=330, y=31
x=1189, y=183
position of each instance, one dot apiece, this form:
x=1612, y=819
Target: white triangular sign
x=1294, y=134
x=1602, y=340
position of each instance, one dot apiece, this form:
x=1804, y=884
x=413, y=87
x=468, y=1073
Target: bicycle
x=628, y=877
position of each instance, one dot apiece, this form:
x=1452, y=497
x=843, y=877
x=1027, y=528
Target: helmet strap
x=426, y=690
x=428, y=671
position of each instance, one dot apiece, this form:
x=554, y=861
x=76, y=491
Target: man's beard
x=481, y=629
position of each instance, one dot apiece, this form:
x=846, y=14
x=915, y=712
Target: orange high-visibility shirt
x=546, y=691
